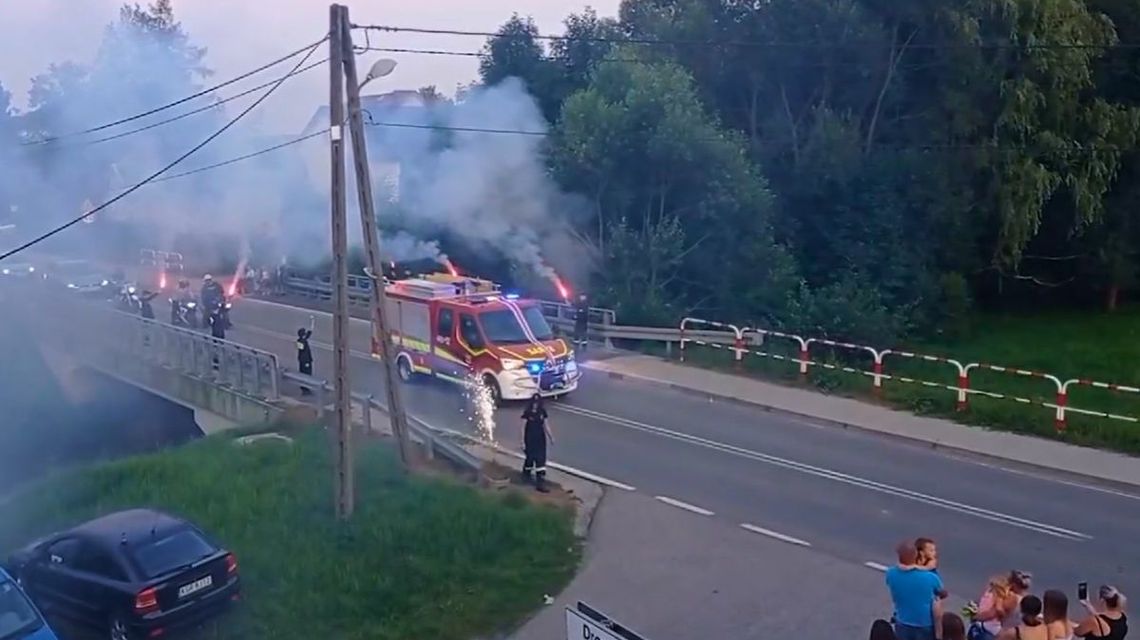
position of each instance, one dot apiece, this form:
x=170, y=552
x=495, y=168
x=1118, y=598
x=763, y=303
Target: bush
x=849, y=309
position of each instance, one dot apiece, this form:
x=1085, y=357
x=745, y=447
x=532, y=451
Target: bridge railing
x=99, y=334
x=432, y=440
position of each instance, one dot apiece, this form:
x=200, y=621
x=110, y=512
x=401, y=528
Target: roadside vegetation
x=422, y=558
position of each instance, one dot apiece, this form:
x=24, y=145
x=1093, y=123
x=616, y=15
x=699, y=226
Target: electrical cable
x=171, y=105
x=176, y=118
x=741, y=43
x=156, y=174
x=241, y=158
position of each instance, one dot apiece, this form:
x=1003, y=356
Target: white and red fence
x=696, y=330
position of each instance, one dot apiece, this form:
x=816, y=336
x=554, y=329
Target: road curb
x=899, y=437
x=587, y=494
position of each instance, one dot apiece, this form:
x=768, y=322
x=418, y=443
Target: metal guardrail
x=433, y=441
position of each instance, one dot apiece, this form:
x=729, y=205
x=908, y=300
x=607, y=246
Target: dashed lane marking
x=775, y=535
x=830, y=474
x=875, y=565
x=684, y=505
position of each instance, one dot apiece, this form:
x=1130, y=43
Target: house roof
x=401, y=99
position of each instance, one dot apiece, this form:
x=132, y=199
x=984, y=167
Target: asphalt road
x=848, y=494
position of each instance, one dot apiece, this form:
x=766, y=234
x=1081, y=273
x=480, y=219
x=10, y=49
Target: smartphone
x=1082, y=592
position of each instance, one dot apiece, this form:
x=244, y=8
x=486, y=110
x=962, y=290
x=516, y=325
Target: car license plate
x=195, y=586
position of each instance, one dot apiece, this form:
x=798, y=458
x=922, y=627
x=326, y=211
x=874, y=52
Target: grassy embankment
x=1102, y=347
x=422, y=558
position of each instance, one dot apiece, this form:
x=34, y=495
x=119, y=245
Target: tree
x=677, y=202
x=515, y=51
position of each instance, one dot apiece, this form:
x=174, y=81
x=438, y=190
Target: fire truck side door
x=444, y=347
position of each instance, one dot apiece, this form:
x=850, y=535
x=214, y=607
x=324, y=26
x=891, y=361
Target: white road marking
x=829, y=474
x=963, y=456
x=684, y=505
x=775, y=534
x=875, y=565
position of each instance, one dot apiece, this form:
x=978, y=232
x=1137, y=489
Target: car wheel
x=404, y=369
x=117, y=629
x=493, y=387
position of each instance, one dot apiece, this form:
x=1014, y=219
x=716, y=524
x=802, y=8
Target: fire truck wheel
x=404, y=370
x=493, y=387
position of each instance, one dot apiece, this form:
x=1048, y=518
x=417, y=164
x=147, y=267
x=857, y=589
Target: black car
x=132, y=574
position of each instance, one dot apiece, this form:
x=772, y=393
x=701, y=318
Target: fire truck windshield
x=502, y=327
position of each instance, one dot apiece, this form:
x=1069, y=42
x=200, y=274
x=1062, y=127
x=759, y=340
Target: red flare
x=450, y=267
x=162, y=280
x=563, y=290
x=232, y=291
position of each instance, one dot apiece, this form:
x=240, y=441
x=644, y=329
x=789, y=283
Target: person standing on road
x=914, y=593
x=217, y=323
x=581, y=324
x=1031, y=626
x=998, y=607
x=536, y=435
x=1056, y=615
x=1108, y=622
x=305, y=353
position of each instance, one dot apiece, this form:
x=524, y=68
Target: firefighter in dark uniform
x=217, y=323
x=145, y=308
x=536, y=436
x=305, y=354
x=581, y=323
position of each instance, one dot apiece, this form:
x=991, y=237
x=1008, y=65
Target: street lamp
x=380, y=68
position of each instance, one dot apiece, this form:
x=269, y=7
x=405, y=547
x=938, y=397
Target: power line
x=156, y=174
x=247, y=156
x=213, y=105
x=1068, y=148
x=440, y=127
x=188, y=98
x=744, y=43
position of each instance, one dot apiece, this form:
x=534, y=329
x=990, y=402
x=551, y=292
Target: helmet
x=207, y=278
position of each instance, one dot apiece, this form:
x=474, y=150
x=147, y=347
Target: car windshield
x=502, y=326
x=171, y=552
x=17, y=616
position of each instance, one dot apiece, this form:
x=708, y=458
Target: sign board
x=586, y=623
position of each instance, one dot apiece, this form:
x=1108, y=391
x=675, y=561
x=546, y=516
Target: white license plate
x=195, y=586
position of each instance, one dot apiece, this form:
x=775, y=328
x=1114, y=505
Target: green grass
x=1097, y=346
x=421, y=558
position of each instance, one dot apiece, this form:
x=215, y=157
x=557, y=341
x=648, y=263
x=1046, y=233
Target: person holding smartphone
x=1109, y=620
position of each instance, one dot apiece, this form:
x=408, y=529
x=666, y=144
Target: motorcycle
x=128, y=300
x=184, y=314
x=223, y=310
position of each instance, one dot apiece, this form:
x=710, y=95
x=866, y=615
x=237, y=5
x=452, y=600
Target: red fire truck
x=458, y=329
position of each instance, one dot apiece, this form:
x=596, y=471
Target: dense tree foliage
x=859, y=167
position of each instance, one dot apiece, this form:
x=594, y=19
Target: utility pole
x=381, y=336
x=345, y=475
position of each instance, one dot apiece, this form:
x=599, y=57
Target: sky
x=243, y=34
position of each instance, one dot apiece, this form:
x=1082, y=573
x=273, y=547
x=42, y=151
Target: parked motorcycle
x=184, y=314
x=128, y=300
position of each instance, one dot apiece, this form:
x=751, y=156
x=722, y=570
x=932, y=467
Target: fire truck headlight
x=510, y=364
